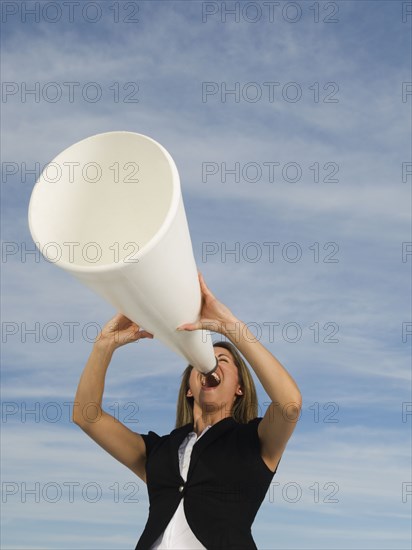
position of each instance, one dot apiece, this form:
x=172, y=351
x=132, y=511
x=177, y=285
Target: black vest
x=226, y=483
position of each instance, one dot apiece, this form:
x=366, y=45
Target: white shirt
x=178, y=533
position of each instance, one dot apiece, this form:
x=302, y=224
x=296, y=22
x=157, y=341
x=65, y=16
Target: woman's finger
x=119, y=317
x=204, y=324
x=115, y=322
x=188, y=326
x=204, y=286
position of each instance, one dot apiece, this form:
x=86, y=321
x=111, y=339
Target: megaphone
x=109, y=210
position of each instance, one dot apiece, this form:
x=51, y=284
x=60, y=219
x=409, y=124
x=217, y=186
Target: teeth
x=214, y=376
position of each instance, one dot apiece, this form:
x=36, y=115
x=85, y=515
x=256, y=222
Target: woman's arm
x=114, y=437
x=279, y=420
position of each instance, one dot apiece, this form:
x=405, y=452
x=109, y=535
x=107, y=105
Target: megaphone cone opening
x=104, y=202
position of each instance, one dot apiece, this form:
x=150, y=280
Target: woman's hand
x=213, y=315
x=120, y=331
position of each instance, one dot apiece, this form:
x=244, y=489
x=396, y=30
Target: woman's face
x=209, y=394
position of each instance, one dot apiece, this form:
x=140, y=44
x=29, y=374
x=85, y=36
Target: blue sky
x=352, y=443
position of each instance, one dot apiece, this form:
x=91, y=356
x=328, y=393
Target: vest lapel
x=176, y=439
x=217, y=430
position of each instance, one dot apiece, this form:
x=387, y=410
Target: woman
x=206, y=479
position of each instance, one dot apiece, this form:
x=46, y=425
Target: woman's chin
x=206, y=389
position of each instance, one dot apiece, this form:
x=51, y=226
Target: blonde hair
x=245, y=407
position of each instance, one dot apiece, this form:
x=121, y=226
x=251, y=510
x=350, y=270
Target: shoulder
x=150, y=439
x=249, y=428
x=252, y=424
x=153, y=439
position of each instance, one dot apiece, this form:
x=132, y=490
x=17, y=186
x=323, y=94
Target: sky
x=290, y=124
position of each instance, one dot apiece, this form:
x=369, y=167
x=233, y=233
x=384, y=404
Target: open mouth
x=210, y=380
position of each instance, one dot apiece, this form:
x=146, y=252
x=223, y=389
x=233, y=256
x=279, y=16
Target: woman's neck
x=203, y=421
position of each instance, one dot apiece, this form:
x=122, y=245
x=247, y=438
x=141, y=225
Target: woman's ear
x=189, y=393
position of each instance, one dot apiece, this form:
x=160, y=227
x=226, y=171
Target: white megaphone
x=109, y=210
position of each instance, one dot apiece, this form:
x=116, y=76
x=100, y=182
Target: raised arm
x=114, y=437
x=280, y=418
